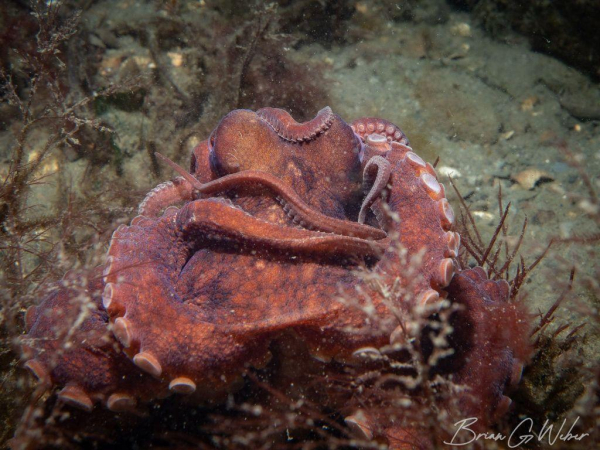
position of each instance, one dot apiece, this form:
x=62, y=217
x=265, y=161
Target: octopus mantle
x=259, y=240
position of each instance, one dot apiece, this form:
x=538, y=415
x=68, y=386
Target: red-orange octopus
x=258, y=240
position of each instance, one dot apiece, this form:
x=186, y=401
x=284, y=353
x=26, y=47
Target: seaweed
x=45, y=227
x=558, y=384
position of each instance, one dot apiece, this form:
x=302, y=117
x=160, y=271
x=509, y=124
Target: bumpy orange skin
x=199, y=286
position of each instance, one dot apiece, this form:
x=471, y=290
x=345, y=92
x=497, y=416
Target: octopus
x=254, y=244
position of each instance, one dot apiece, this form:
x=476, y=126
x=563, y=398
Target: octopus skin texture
x=256, y=242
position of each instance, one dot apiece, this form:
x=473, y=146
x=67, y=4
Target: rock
x=529, y=103
x=462, y=29
x=581, y=106
x=530, y=178
x=449, y=172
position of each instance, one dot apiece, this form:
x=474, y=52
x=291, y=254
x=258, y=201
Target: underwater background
x=504, y=93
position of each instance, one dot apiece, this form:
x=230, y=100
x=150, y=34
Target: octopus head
x=319, y=159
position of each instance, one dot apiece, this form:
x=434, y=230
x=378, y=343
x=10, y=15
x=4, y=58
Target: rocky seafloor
x=498, y=114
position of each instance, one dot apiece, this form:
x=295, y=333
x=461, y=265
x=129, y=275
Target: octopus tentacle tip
x=120, y=402
x=446, y=271
x=366, y=353
x=453, y=242
x=30, y=316
x=446, y=213
x=432, y=185
x=429, y=297
x=76, y=397
x=378, y=141
x=148, y=363
x=359, y=424
x=516, y=373
x=182, y=385
x=107, y=295
x=107, y=267
x=321, y=357
x=415, y=159
x=38, y=370
x=289, y=130
x=383, y=171
x=122, y=331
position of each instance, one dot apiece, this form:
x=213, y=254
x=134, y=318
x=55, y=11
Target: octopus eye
x=214, y=163
x=360, y=148
x=211, y=142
